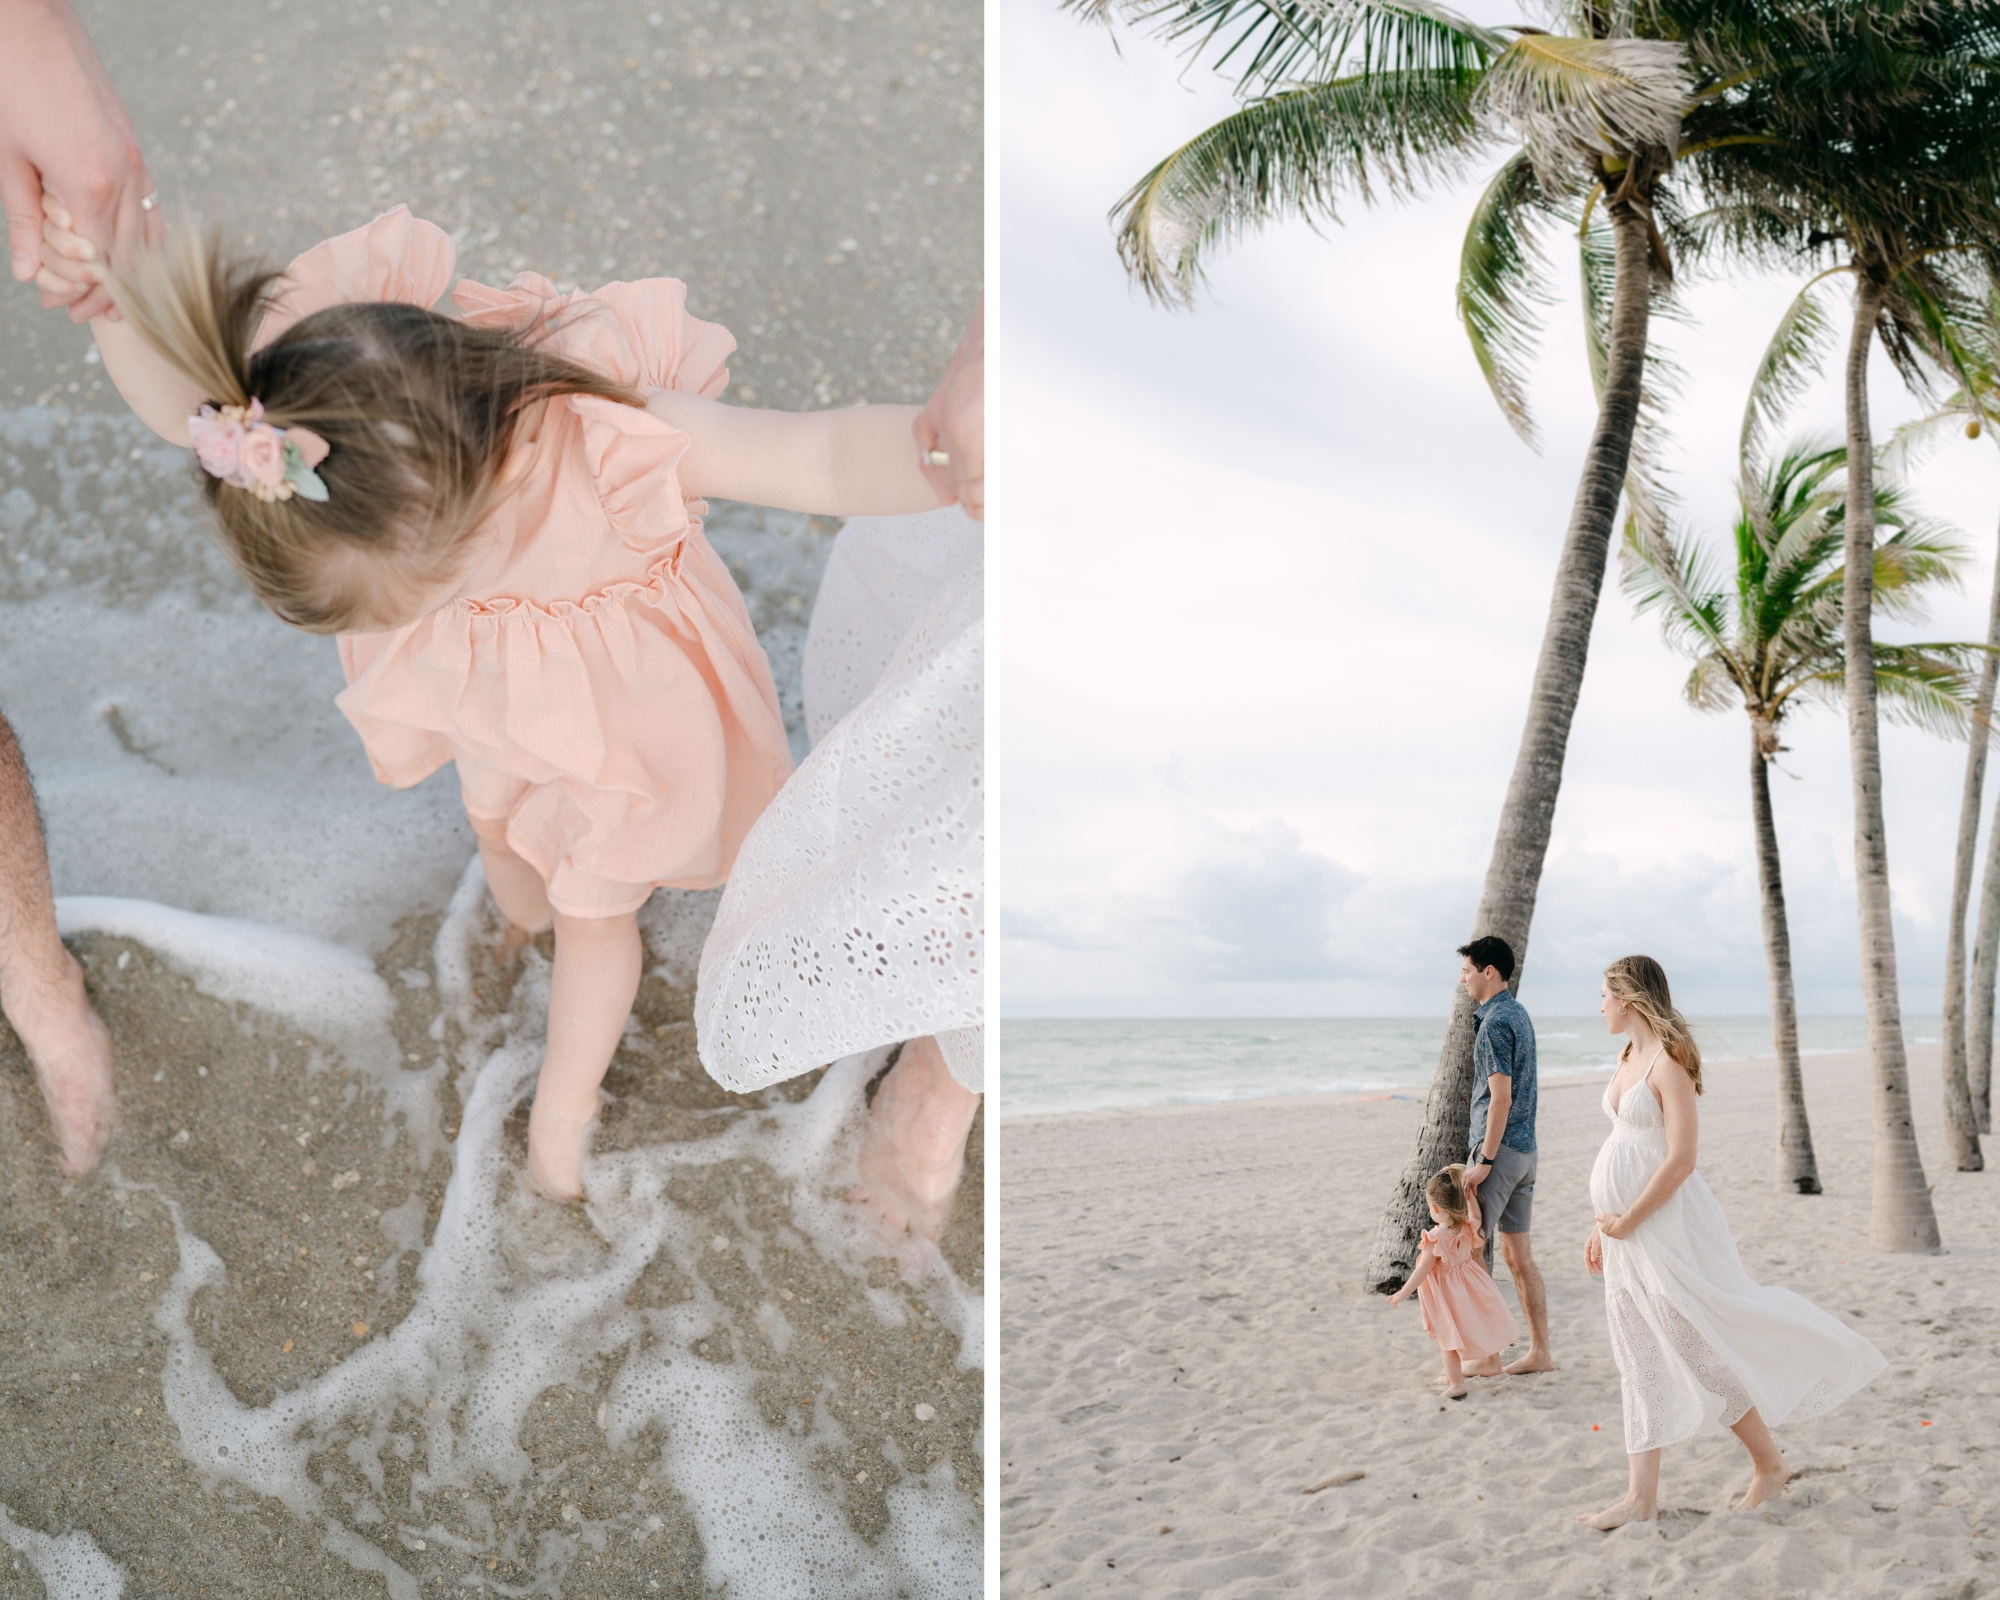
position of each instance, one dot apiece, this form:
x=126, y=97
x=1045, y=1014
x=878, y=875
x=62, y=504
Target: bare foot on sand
x=1455, y=1391
x=1764, y=1486
x=1484, y=1367
x=1533, y=1361
x=71, y=1052
x=913, y=1149
x=1620, y=1512
x=559, y=1129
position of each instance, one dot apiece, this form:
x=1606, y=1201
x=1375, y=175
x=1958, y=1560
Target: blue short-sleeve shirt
x=1505, y=1043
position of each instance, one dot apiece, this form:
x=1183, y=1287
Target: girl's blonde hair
x=419, y=411
x=1446, y=1191
x=1641, y=983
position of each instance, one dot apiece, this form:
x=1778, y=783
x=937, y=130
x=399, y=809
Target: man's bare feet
x=71, y=1052
x=913, y=1148
x=1533, y=1361
x=1619, y=1513
x=1764, y=1486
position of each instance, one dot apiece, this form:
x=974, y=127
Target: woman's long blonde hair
x=419, y=411
x=1641, y=983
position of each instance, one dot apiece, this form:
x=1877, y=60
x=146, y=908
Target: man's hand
x=953, y=422
x=64, y=129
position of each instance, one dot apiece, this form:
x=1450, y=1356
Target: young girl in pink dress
x=499, y=514
x=1462, y=1307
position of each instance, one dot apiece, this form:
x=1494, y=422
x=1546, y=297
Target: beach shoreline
x=1186, y=1351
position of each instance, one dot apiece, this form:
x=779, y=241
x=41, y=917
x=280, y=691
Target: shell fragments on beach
x=924, y=1412
x=1333, y=1482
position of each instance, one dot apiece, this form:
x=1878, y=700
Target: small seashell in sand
x=346, y=1180
x=1334, y=1482
x=719, y=1243
x=925, y=1411
x=181, y=1138
x=361, y=1330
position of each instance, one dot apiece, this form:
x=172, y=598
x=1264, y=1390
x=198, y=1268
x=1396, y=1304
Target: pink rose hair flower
x=236, y=445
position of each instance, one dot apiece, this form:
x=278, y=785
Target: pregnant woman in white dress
x=1697, y=1340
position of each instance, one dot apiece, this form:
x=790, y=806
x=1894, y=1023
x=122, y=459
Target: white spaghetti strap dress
x=1698, y=1342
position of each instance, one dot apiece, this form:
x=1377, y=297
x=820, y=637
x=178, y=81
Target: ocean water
x=1054, y=1065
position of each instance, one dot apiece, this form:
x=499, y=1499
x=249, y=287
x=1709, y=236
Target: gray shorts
x=1507, y=1197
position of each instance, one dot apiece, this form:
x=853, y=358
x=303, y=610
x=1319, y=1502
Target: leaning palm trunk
x=1507, y=901
x=1985, y=968
x=1901, y=1217
x=1797, y=1167
x=1961, y=1113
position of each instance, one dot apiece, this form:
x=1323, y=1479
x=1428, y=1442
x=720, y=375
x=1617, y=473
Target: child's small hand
x=1399, y=1297
x=71, y=265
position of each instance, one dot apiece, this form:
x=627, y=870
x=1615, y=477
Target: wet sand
x=1186, y=1355
x=814, y=177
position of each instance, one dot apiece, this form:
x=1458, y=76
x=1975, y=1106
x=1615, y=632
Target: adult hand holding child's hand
x=63, y=130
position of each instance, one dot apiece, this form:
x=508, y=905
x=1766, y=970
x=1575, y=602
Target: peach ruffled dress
x=1463, y=1310
x=601, y=687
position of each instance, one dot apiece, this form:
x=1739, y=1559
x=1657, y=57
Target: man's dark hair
x=1490, y=950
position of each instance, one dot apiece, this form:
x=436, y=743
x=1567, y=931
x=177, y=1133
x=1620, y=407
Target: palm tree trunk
x=1514, y=872
x=1901, y=1217
x=1985, y=968
x=1797, y=1167
x=1961, y=1115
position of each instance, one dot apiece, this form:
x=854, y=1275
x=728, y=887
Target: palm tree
x=1379, y=99
x=1968, y=1045
x=1768, y=636
x=1893, y=172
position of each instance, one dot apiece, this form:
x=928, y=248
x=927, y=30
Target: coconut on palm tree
x=1766, y=633
x=1600, y=125
x=1892, y=175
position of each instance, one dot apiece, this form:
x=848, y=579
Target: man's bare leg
x=1768, y=1472
x=1642, y=1494
x=41, y=986
x=913, y=1149
x=1534, y=1304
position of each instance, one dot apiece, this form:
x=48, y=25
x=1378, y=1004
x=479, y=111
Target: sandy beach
x=1185, y=1354
x=304, y=1334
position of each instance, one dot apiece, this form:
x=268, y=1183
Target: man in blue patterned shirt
x=1500, y=1166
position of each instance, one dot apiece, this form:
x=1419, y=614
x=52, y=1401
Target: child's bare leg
x=517, y=888
x=913, y=1149
x=1768, y=1472
x=1642, y=1495
x=1454, y=1376
x=41, y=986
x=590, y=995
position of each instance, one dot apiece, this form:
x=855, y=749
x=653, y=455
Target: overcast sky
x=1269, y=591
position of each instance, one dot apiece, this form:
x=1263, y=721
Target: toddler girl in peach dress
x=499, y=515
x=1462, y=1307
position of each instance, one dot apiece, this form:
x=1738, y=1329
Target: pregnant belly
x=1623, y=1167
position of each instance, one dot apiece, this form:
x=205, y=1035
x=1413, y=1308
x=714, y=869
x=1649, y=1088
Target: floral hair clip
x=236, y=445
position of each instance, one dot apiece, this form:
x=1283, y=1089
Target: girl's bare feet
x=71, y=1052
x=1765, y=1486
x=913, y=1149
x=1621, y=1512
x=558, y=1140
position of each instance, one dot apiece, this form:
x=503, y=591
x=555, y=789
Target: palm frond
x=1676, y=578
x=1501, y=280
x=1711, y=686
x=1611, y=97
x=1790, y=361
x=1928, y=686
x=1266, y=46
x=1295, y=154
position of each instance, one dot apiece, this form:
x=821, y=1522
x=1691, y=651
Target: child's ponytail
x=198, y=308
x=1446, y=1191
